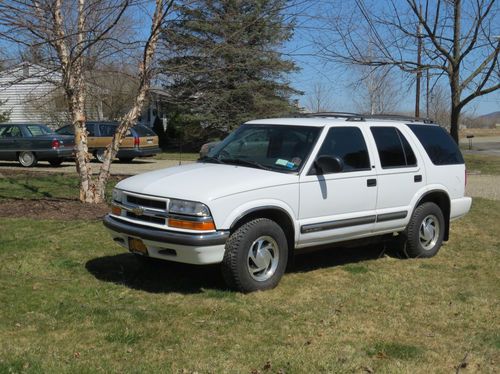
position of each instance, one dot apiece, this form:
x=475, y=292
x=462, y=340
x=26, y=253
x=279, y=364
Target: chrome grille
x=144, y=209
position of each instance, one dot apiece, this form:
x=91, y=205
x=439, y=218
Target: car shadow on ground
x=165, y=277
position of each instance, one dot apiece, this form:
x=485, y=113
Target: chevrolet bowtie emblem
x=138, y=211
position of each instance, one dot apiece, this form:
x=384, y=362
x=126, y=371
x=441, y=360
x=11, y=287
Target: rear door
x=10, y=141
x=400, y=174
x=339, y=206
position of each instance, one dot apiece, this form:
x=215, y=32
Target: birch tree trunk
x=92, y=188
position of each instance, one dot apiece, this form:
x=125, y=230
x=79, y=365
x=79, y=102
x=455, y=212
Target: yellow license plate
x=136, y=245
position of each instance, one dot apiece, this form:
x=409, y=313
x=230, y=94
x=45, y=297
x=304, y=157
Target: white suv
x=277, y=185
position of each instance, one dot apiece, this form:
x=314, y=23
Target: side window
x=91, y=129
x=11, y=132
x=107, y=130
x=393, y=148
x=348, y=144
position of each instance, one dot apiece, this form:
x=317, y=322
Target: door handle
x=371, y=182
x=417, y=178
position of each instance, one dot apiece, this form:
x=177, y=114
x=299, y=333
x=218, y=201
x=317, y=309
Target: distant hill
x=492, y=115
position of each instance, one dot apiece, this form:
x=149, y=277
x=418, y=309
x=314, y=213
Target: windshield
x=271, y=147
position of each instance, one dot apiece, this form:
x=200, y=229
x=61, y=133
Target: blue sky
x=338, y=79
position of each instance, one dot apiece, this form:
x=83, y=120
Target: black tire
x=27, y=159
x=56, y=162
x=125, y=159
x=240, y=271
x=419, y=241
x=99, y=155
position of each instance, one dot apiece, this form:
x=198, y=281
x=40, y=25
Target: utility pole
x=419, y=72
x=427, y=93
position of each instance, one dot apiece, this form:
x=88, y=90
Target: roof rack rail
x=335, y=114
x=398, y=117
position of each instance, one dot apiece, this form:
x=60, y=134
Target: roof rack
x=363, y=117
x=336, y=115
x=398, y=117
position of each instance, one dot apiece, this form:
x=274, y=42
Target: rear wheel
x=425, y=232
x=56, y=162
x=27, y=159
x=256, y=256
x=99, y=155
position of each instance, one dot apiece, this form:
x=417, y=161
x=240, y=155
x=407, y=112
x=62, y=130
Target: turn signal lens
x=191, y=225
x=116, y=210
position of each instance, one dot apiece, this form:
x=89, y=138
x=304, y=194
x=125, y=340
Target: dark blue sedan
x=30, y=143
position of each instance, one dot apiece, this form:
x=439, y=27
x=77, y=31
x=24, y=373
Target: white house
x=32, y=93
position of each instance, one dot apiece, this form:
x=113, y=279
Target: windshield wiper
x=251, y=163
x=211, y=158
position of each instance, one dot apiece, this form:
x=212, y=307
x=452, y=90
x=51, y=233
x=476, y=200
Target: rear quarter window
x=439, y=145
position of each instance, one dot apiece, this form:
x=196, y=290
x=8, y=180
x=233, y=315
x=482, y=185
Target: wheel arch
x=442, y=200
x=274, y=213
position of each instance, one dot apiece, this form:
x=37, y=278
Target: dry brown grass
x=479, y=132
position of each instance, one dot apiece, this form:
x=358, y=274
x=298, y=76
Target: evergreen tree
x=223, y=64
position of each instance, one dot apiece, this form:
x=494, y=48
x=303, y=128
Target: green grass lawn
x=73, y=301
x=484, y=163
x=42, y=186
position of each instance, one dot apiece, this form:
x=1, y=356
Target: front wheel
x=425, y=232
x=27, y=159
x=256, y=256
x=99, y=155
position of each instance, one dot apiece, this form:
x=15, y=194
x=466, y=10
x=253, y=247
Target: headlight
x=117, y=195
x=191, y=208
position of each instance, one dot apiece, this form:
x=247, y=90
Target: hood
x=203, y=182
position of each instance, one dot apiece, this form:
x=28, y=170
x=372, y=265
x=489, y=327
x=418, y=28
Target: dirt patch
x=52, y=209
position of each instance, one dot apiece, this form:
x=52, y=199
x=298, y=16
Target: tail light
x=137, y=141
x=55, y=144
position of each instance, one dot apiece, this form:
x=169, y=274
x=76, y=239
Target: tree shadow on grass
x=164, y=277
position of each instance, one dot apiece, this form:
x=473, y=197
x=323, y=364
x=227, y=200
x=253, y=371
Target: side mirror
x=329, y=164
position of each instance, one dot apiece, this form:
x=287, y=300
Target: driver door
x=341, y=205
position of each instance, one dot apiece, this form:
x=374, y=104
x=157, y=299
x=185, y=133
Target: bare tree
x=376, y=90
x=74, y=35
x=320, y=98
x=439, y=105
x=459, y=39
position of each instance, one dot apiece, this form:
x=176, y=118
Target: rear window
x=143, y=131
x=37, y=130
x=439, y=145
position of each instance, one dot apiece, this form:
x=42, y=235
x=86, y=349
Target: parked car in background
x=140, y=141
x=30, y=143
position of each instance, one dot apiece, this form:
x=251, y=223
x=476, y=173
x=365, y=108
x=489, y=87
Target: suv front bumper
x=199, y=249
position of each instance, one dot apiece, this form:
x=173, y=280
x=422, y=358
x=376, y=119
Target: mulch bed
x=60, y=209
